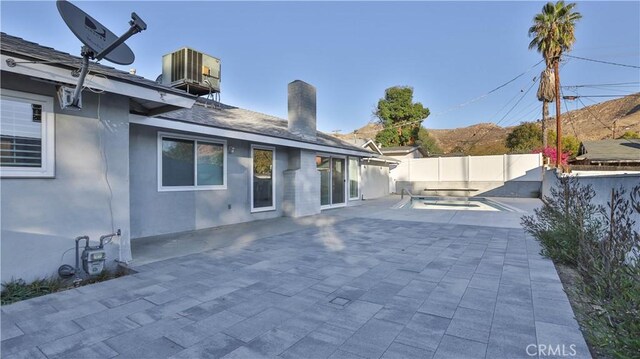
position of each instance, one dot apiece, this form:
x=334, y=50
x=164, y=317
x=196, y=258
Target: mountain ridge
x=599, y=121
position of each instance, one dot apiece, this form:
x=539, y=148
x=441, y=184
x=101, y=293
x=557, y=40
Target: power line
x=592, y=115
x=505, y=115
x=490, y=92
x=472, y=100
x=602, y=62
x=608, y=84
x=566, y=108
x=621, y=95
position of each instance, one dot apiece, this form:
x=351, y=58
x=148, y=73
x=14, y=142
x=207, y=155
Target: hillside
x=595, y=122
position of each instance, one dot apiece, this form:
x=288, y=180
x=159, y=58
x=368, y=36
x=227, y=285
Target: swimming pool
x=457, y=204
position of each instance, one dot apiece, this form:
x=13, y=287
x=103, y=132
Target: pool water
x=457, y=204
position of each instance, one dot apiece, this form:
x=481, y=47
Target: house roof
x=238, y=119
x=402, y=150
x=388, y=159
x=399, y=150
x=26, y=50
x=610, y=151
x=221, y=116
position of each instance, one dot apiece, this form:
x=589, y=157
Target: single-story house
x=404, y=152
x=149, y=160
x=375, y=170
x=622, y=152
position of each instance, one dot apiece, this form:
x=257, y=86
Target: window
x=188, y=163
x=26, y=135
x=354, y=178
x=262, y=179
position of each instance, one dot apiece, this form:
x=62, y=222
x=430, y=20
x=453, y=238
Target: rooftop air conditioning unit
x=192, y=71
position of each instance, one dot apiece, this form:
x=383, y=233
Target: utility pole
x=558, y=125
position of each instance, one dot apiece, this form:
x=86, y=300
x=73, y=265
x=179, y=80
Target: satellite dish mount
x=99, y=43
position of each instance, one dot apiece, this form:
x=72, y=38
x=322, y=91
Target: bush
x=565, y=219
x=602, y=244
x=611, y=278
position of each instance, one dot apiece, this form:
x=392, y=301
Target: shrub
x=602, y=244
x=611, y=278
x=564, y=221
x=551, y=154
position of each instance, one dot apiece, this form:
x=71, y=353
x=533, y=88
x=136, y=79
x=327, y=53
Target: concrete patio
x=365, y=281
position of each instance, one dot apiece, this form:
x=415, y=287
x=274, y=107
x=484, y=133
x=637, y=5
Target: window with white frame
x=26, y=135
x=191, y=163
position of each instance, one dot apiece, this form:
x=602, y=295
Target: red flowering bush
x=551, y=153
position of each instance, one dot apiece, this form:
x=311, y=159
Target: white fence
x=502, y=175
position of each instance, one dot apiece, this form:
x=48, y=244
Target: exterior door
x=333, y=181
x=338, y=181
x=324, y=167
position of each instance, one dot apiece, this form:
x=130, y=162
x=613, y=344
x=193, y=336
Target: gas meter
x=93, y=260
x=93, y=257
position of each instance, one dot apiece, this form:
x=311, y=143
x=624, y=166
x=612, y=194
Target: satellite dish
x=93, y=34
x=99, y=43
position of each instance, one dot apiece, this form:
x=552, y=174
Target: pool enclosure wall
x=499, y=176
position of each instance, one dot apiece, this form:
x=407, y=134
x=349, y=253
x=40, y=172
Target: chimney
x=302, y=109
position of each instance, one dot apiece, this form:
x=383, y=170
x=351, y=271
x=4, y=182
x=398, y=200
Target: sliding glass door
x=332, y=180
x=324, y=167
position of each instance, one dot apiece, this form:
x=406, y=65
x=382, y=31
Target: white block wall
x=527, y=167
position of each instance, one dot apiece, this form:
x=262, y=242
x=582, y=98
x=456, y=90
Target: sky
x=451, y=53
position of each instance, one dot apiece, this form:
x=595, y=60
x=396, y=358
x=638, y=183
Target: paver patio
x=356, y=287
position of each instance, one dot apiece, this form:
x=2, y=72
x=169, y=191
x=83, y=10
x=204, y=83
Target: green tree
x=427, y=142
x=570, y=144
x=630, y=135
x=553, y=32
x=400, y=117
x=525, y=138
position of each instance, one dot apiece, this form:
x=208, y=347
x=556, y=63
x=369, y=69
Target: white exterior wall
x=513, y=175
x=374, y=180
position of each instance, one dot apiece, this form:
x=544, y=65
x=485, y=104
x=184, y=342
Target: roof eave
x=61, y=74
x=208, y=129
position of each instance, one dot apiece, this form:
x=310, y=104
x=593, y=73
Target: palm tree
x=553, y=33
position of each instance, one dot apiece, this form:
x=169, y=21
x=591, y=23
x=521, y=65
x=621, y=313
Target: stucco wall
x=601, y=183
x=154, y=212
x=375, y=181
x=41, y=216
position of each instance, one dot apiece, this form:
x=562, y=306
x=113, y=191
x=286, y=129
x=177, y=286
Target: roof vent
x=192, y=71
